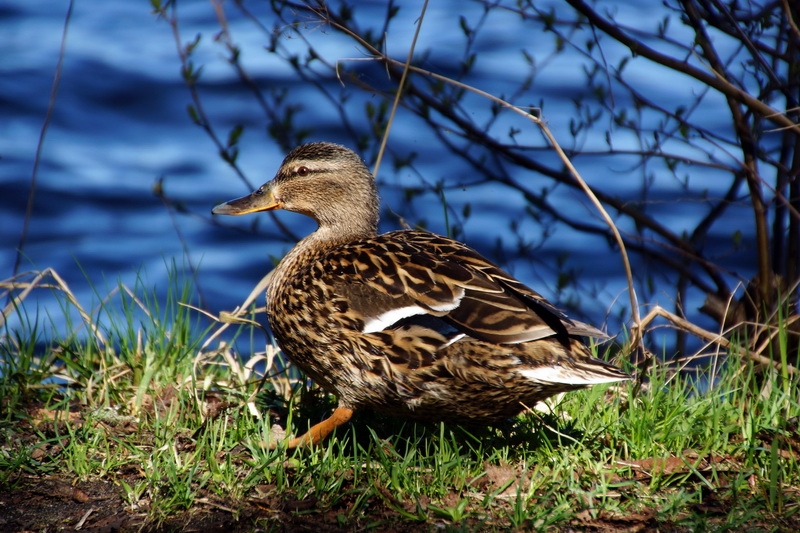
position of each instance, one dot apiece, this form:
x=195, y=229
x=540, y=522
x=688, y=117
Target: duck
x=407, y=323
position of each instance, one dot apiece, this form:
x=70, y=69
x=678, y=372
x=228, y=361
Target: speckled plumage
x=407, y=323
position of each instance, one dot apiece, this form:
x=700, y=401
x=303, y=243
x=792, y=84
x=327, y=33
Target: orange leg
x=318, y=432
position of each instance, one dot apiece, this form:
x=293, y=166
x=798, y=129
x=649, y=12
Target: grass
x=139, y=417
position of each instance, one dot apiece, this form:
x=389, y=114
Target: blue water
x=120, y=124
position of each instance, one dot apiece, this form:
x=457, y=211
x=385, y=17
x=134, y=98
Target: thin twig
x=40, y=144
x=716, y=338
x=36, y=282
x=400, y=87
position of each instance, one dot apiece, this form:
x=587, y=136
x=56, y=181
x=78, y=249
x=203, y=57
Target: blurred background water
x=120, y=124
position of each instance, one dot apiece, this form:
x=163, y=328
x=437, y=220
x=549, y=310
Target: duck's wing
x=390, y=278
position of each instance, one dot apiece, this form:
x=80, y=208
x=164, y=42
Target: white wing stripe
x=390, y=317
x=559, y=374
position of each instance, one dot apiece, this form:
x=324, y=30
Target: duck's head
x=325, y=181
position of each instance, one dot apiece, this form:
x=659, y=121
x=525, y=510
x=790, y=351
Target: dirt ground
x=54, y=504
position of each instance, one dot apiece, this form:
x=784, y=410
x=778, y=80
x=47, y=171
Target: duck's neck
x=336, y=235
x=313, y=246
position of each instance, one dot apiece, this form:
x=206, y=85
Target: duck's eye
x=303, y=171
x=259, y=191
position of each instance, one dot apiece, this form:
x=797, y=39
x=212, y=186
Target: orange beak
x=252, y=203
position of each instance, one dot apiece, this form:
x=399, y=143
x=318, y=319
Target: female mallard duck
x=407, y=323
